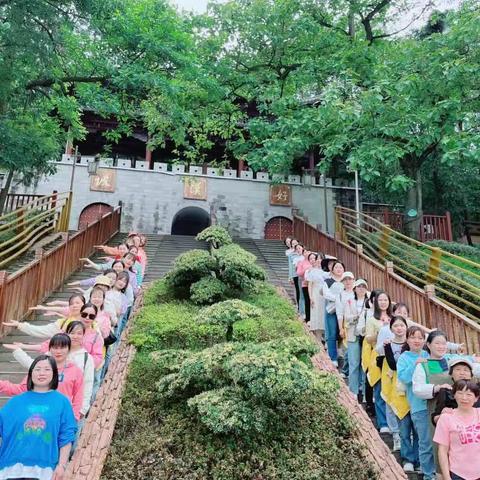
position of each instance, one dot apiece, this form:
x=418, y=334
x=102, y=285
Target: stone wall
x=151, y=199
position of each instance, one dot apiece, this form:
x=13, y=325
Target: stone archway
x=277, y=228
x=92, y=213
x=190, y=221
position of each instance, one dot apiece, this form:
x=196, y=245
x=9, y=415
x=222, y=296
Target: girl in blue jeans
x=331, y=289
x=420, y=419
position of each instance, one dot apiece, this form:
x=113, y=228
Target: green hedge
x=196, y=407
x=460, y=249
x=314, y=441
x=171, y=324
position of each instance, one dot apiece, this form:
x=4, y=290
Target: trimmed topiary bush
x=256, y=378
x=228, y=313
x=189, y=268
x=312, y=438
x=197, y=407
x=172, y=324
x=215, y=235
x=206, y=277
x=238, y=268
x=208, y=290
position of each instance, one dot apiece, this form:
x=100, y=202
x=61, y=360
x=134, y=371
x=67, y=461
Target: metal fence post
x=434, y=265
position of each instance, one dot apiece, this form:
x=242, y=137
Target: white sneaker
x=396, y=442
x=385, y=430
x=408, y=467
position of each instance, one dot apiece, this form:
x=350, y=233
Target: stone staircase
x=161, y=252
x=46, y=244
x=271, y=256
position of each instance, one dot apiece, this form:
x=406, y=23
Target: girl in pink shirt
x=70, y=377
x=104, y=322
x=458, y=435
x=92, y=339
x=302, y=267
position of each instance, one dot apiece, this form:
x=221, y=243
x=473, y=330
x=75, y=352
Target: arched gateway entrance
x=277, y=228
x=190, y=221
x=91, y=213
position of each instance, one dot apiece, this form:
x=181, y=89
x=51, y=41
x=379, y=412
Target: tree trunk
x=229, y=334
x=4, y=191
x=414, y=202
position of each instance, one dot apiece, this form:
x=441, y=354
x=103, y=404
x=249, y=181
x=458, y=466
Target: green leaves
x=207, y=277
x=208, y=290
x=240, y=388
x=216, y=235
x=228, y=313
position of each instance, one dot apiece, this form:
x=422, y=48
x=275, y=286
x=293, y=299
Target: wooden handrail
x=16, y=200
x=33, y=221
x=425, y=307
x=34, y=282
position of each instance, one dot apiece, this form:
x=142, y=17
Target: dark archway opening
x=190, y=221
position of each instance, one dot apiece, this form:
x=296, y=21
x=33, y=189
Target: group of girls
x=419, y=387
x=39, y=426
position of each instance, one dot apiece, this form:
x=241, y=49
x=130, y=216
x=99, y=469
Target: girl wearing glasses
x=92, y=339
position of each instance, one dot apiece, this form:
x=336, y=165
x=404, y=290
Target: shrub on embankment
x=197, y=407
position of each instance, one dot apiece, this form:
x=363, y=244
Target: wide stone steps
x=47, y=244
x=271, y=256
x=161, y=251
x=9, y=368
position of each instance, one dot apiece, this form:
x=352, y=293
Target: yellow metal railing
x=456, y=279
x=22, y=228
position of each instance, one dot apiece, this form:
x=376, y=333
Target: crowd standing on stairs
x=40, y=424
x=421, y=389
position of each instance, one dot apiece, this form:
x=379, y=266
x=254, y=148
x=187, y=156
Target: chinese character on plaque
x=195, y=188
x=281, y=195
x=104, y=181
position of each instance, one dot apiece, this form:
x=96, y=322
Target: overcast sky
x=195, y=5
x=201, y=5
x=411, y=20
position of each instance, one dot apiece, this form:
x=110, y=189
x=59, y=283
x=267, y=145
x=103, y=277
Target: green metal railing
x=456, y=279
x=22, y=228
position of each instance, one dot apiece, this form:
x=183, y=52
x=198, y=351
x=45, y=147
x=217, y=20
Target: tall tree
x=59, y=57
